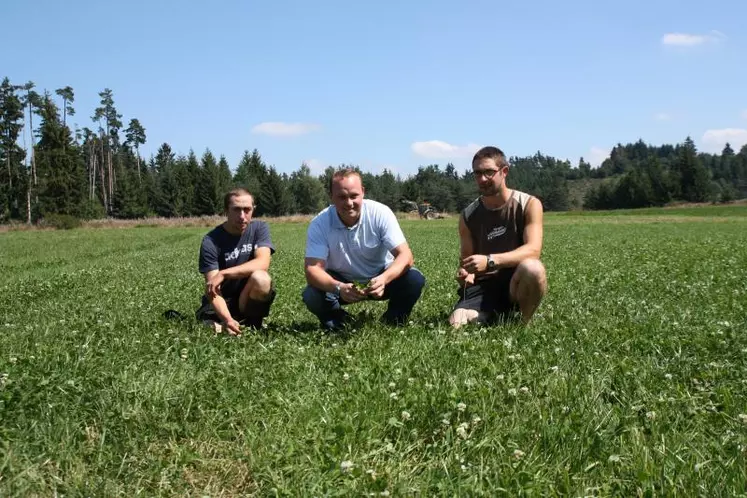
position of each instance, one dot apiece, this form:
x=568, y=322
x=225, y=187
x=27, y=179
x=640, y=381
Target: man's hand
x=234, y=328
x=477, y=263
x=464, y=277
x=376, y=287
x=212, y=286
x=350, y=294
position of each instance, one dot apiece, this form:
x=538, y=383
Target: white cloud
x=596, y=156
x=436, y=149
x=691, y=40
x=662, y=116
x=280, y=129
x=714, y=140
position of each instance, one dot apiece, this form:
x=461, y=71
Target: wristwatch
x=337, y=290
x=491, y=263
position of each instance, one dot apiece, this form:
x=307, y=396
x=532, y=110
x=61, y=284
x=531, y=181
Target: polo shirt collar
x=337, y=223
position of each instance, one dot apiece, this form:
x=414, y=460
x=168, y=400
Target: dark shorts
x=256, y=310
x=492, y=296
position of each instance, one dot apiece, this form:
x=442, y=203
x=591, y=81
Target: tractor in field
x=425, y=210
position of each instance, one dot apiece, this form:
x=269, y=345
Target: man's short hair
x=490, y=152
x=344, y=172
x=235, y=192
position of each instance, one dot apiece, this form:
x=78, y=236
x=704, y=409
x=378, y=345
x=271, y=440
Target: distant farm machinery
x=425, y=210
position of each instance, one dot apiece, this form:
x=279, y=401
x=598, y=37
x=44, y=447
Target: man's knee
x=529, y=281
x=259, y=284
x=414, y=281
x=312, y=297
x=533, y=271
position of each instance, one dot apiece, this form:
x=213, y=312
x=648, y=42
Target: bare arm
x=219, y=304
x=261, y=261
x=533, y=233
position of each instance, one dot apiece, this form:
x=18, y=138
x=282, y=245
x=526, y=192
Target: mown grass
x=631, y=380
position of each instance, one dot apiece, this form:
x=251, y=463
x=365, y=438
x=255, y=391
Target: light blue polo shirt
x=359, y=252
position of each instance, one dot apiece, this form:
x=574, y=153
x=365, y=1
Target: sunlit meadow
x=632, y=379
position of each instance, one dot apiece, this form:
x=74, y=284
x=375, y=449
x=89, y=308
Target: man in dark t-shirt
x=235, y=259
x=500, y=237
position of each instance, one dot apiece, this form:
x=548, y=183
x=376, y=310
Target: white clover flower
x=668, y=376
x=476, y=420
x=512, y=392
x=405, y=416
x=445, y=422
x=384, y=493
x=566, y=410
x=183, y=353
x=348, y=357
x=500, y=377
x=392, y=385
x=398, y=371
x=524, y=390
x=346, y=466
x=651, y=415
x=554, y=369
x=393, y=395
x=410, y=380
x=613, y=458
x=698, y=466
x=13, y=360
x=462, y=430
x=461, y=406
x=345, y=376
x=742, y=416
x=518, y=454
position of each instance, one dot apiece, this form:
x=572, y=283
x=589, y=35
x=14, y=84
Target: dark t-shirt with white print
x=221, y=250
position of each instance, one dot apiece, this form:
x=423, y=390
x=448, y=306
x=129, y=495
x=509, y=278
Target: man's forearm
x=244, y=270
x=400, y=264
x=221, y=308
x=320, y=279
x=513, y=258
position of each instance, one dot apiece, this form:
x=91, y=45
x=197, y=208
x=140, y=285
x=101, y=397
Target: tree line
x=49, y=168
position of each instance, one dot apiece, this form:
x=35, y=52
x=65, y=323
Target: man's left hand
x=212, y=287
x=477, y=263
x=376, y=287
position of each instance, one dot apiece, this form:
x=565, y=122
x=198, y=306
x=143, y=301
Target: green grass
x=631, y=381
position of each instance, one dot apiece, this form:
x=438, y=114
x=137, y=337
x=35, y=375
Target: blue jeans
x=402, y=294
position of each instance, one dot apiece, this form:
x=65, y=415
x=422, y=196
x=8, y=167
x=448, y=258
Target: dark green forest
x=97, y=173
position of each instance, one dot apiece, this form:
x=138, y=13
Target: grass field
x=631, y=381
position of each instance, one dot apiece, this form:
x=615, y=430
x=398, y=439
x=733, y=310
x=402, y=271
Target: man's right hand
x=350, y=294
x=464, y=277
x=234, y=327
x=212, y=286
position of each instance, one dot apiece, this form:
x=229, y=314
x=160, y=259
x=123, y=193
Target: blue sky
x=394, y=84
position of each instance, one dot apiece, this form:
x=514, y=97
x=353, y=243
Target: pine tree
x=61, y=170
x=307, y=191
x=694, y=177
x=274, y=195
x=13, y=179
x=135, y=134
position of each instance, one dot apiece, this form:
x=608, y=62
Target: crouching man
x=235, y=259
x=500, y=235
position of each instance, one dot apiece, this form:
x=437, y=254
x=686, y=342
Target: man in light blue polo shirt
x=357, y=240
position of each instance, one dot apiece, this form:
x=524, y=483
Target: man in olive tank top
x=500, y=237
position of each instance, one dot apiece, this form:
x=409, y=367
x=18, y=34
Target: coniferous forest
x=97, y=173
